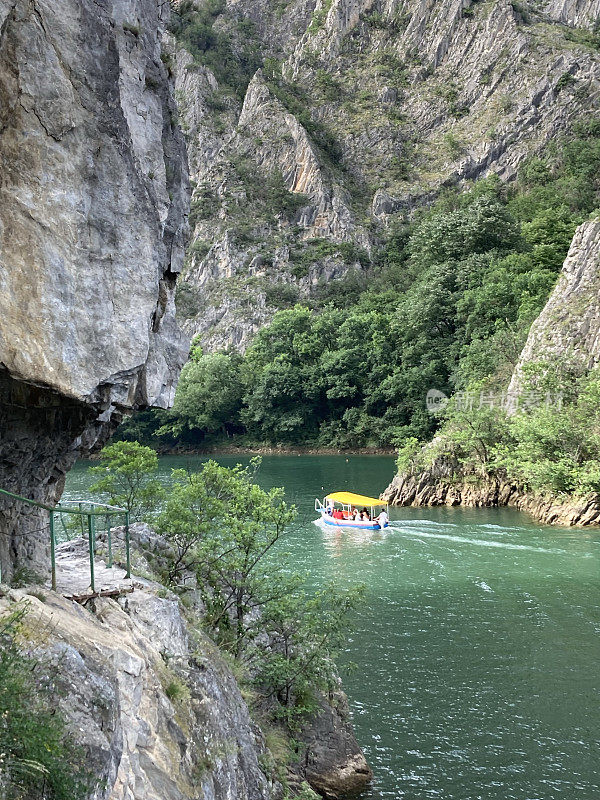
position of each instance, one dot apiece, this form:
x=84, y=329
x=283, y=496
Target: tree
x=209, y=395
x=225, y=525
x=305, y=633
x=555, y=447
x=38, y=756
x=285, y=396
x=127, y=474
x=227, y=531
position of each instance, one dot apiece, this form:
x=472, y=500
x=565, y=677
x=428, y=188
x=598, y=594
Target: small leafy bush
x=176, y=690
x=565, y=80
x=319, y=17
x=281, y=295
x=38, y=755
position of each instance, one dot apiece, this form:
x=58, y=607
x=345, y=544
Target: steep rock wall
x=93, y=207
x=395, y=99
x=568, y=332
x=568, y=329
x=583, y=13
x=273, y=141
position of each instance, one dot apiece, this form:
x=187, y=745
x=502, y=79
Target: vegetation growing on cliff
x=552, y=445
x=448, y=301
x=227, y=532
x=38, y=756
x=233, y=55
x=126, y=475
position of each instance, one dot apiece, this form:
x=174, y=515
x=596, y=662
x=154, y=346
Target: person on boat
x=357, y=515
x=382, y=519
x=365, y=515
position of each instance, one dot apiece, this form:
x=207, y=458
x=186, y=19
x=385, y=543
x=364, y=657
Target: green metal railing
x=77, y=508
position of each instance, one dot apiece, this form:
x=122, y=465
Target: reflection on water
x=477, y=650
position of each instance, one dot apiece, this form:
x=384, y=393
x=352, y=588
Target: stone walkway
x=73, y=571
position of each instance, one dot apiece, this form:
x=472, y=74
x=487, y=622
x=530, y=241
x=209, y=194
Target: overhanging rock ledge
x=93, y=215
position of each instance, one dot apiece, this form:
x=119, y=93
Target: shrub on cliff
x=127, y=476
x=550, y=445
x=228, y=531
x=232, y=55
x=555, y=447
x=38, y=756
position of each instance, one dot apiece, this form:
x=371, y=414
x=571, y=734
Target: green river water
x=477, y=649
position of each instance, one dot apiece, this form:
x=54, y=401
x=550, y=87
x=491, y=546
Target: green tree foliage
x=209, y=395
x=231, y=525
x=446, y=302
x=38, y=756
x=227, y=531
x=232, y=55
x=305, y=632
x=550, y=445
x=127, y=474
x=554, y=447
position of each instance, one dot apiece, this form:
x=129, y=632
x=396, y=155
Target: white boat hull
x=367, y=525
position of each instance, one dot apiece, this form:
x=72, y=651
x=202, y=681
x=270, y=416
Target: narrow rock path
x=73, y=571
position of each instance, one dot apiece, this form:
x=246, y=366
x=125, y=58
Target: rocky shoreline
x=154, y=702
x=426, y=489
x=279, y=450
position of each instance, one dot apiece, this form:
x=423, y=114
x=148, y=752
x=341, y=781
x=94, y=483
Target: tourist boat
x=336, y=510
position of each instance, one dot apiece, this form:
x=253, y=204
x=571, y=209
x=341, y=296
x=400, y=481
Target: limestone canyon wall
x=365, y=110
x=93, y=216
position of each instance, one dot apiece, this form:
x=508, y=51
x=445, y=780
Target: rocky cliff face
x=93, y=208
x=153, y=702
x=436, y=488
x=155, y=707
x=363, y=110
x=566, y=332
x=568, y=329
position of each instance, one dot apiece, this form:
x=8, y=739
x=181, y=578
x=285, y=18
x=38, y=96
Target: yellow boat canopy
x=351, y=499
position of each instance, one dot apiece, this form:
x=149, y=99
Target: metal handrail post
x=92, y=547
x=109, y=538
x=53, y=551
x=128, y=573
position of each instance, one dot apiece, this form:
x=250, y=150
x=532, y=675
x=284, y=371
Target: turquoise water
x=477, y=649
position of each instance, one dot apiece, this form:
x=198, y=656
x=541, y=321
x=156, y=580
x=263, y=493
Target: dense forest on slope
x=383, y=197
x=447, y=302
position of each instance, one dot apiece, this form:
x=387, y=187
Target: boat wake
x=420, y=534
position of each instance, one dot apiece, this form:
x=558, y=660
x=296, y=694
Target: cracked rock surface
x=366, y=110
x=93, y=215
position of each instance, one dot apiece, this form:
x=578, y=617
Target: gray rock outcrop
x=578, y=13
x=152, y=700
x=93, y=209
x=369, y=108
x=430, y=488
x=568, y=328
x=155, y=707
x=333, y=763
